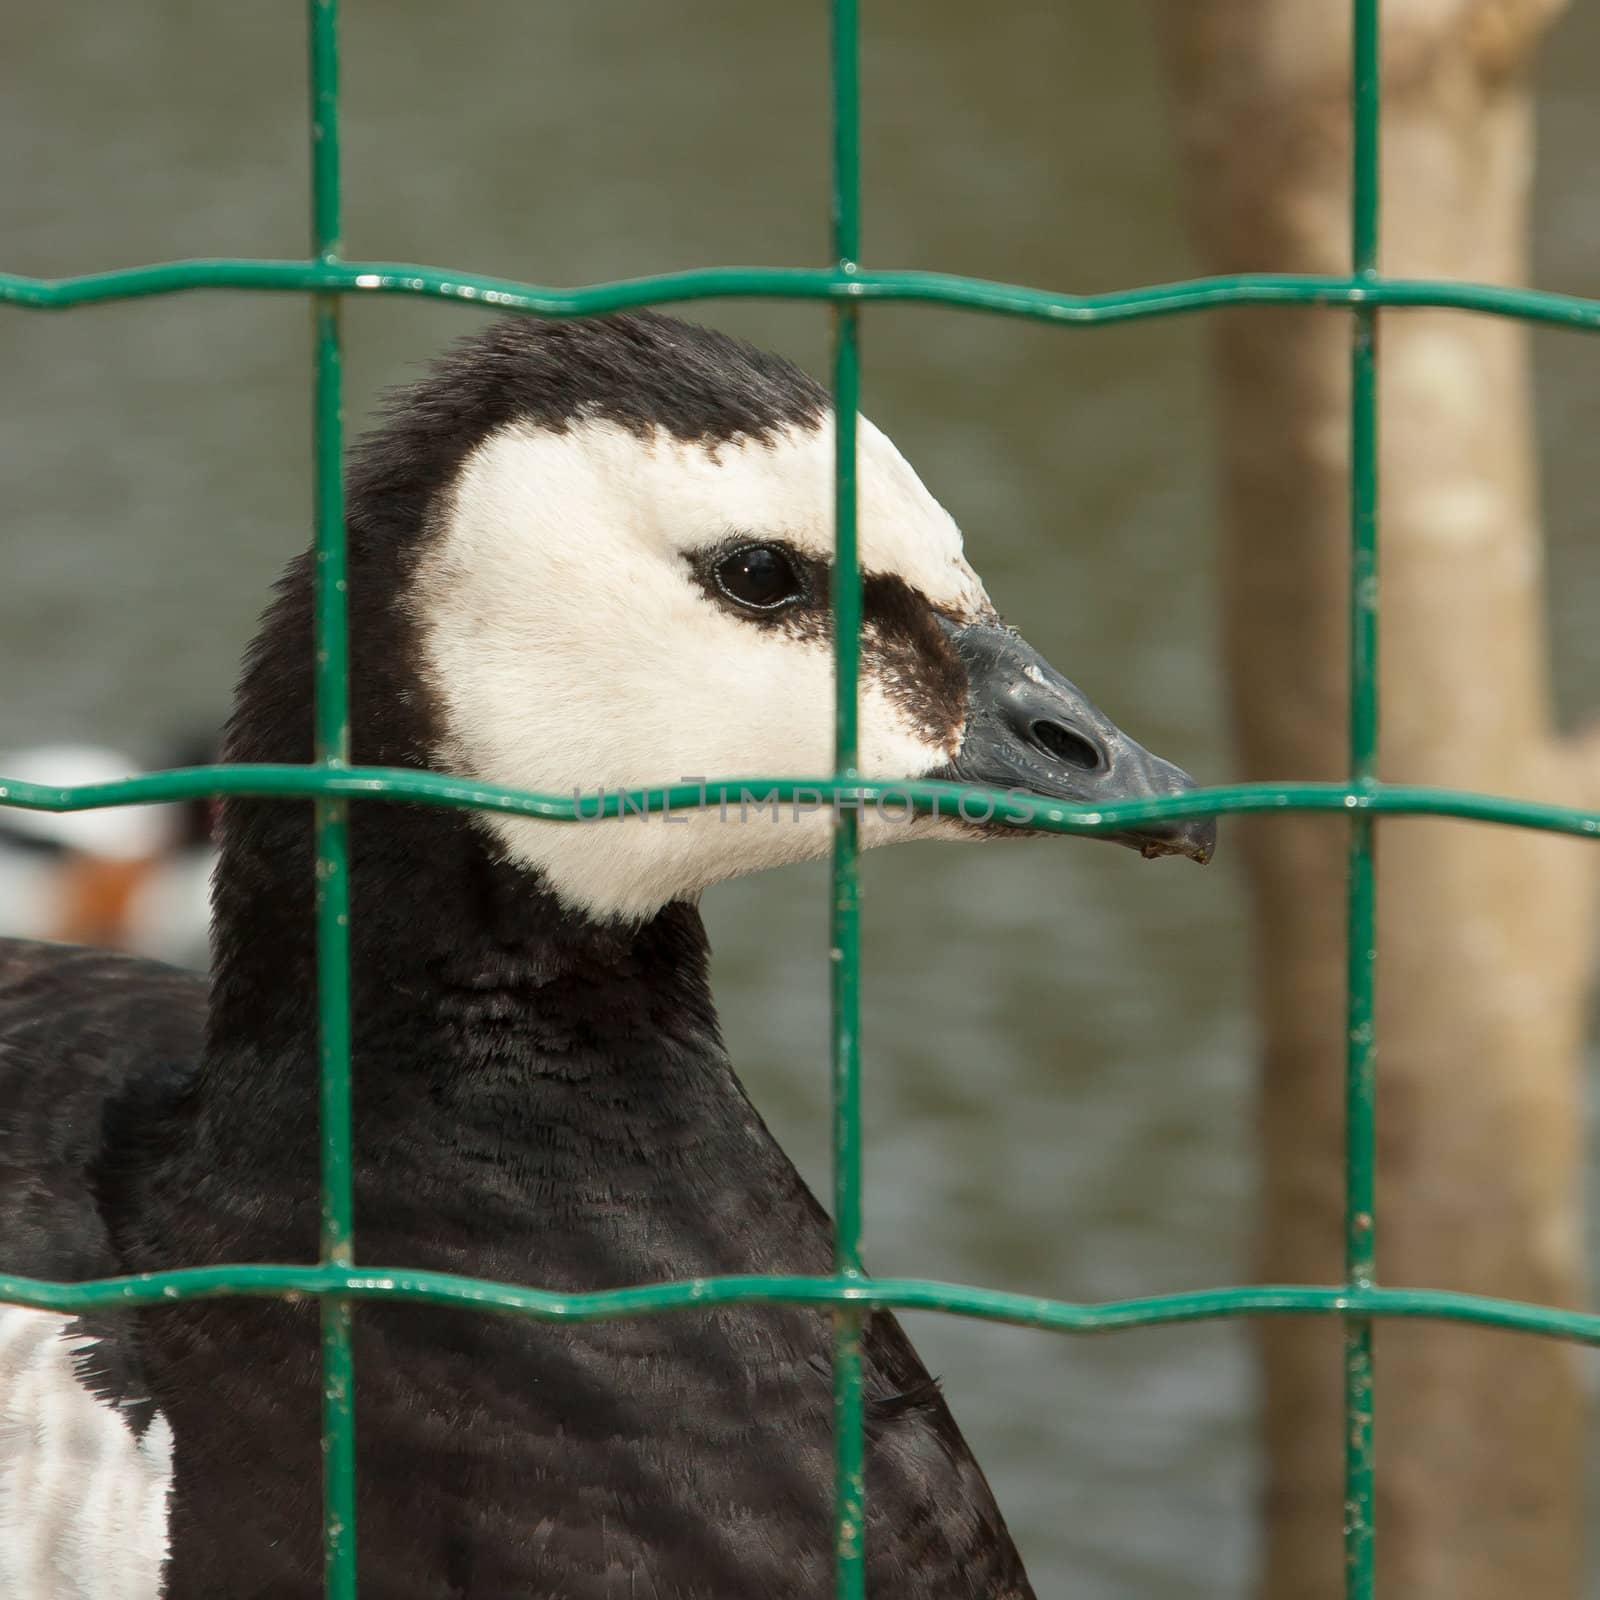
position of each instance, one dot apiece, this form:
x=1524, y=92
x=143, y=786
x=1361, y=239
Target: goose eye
x=759, y=576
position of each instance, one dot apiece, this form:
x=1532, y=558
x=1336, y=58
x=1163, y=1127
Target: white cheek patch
x=569, y=648
x=633, y=865
x=83, y=1502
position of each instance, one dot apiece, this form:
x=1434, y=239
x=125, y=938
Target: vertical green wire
x=332, y=823
x=1362, y=950
x=849, y=1507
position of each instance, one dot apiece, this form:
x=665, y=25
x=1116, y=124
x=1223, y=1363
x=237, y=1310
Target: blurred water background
x=1059, y=1041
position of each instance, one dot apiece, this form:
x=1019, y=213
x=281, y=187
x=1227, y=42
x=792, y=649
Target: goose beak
x=1029, y=728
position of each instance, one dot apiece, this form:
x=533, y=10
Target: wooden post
x=1484, y=933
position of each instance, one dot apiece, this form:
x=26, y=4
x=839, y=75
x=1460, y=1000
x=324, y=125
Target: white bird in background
x=135, y=878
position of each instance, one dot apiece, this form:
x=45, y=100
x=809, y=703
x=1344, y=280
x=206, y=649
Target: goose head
x=604, y=551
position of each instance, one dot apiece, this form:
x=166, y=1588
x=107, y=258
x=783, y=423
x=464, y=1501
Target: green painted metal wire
x=904, y=1294
x=758, y=794
x=1361, y=958
x=798, y=283
x=330, y=645
x=844, y=921
x=330, y=782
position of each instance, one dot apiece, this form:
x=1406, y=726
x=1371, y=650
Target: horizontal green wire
x=905, y=1294
x=926, y=796
x=805, y=283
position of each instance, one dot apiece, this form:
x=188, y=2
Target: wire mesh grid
x=332, y=782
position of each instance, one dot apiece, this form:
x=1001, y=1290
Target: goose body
x=582, y=556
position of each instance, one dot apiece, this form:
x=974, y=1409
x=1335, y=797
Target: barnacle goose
x=581, y=554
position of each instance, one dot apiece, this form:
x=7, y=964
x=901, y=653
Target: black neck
x=442, y=933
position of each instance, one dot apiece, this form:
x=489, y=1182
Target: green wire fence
x=332, y=782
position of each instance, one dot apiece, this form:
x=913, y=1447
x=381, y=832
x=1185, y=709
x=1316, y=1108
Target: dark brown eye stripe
x=912, y=659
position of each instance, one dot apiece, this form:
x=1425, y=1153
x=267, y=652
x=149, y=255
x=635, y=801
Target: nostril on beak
x=1068, y=746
